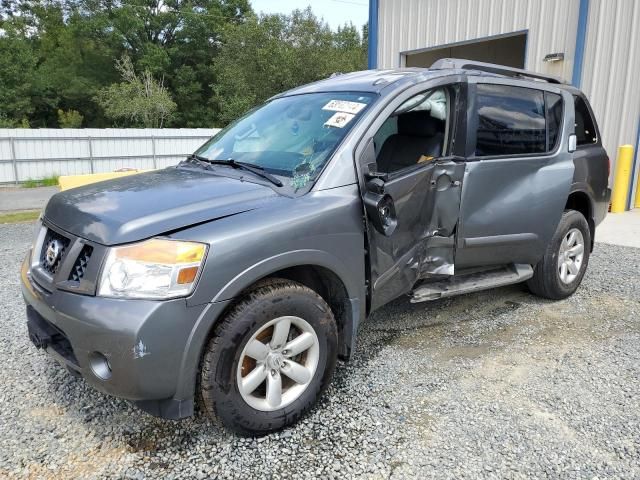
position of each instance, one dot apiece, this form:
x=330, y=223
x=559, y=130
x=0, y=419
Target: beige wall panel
x=406, y=25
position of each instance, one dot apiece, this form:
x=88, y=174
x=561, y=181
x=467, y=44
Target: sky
x=334, y=12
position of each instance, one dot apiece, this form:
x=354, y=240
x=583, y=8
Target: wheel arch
x=581, y=201
x=330, y=287
x=320, y=272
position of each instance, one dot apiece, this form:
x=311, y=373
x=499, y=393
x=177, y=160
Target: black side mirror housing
x=378, y=204
x=381, y=212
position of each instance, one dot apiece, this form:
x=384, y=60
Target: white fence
x=27, y=154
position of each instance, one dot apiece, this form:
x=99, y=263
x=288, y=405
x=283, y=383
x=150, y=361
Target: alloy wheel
x=570, y=255
x=277, y=363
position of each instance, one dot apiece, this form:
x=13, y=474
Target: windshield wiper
x=250, y=167
x=200, y=160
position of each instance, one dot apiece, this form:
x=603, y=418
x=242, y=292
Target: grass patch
x=18, y=217
x=45, y=182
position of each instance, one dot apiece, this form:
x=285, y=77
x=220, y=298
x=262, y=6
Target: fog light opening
x=100, y=365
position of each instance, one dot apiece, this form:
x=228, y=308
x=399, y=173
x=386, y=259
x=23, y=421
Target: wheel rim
x=278, y=363
x=570, y=256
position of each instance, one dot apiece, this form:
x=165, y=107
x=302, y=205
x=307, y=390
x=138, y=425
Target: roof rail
x=459, y=63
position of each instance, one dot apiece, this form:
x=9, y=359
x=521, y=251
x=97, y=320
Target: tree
x=139, y=100
x=271, y=53
x=73, y=57
x=17, y=66
x=69, y=119
x=177, y=39
x=216, y=58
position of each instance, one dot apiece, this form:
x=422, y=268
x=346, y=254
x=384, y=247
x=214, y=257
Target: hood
x=140, y=206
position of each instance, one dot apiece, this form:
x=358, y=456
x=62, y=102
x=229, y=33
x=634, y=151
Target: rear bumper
x=150, y=346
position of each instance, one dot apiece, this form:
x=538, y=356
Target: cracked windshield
x=290, y=137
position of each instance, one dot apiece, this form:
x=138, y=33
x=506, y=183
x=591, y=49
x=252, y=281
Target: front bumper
x=150, y=346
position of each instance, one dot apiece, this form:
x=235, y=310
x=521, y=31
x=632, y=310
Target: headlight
x=153, y=269
x=37, y=227
x=36, y=231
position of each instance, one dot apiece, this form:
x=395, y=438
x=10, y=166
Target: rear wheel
x=269, y=359
x=564, y=264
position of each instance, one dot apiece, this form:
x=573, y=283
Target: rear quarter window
x=586, y=132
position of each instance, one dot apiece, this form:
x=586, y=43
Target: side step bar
x=472, y=282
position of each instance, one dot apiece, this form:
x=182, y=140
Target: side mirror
x=378, y=204
x=381, y=212
x=573, y=143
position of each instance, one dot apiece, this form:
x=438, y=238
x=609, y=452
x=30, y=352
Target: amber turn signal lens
x=158, y=250
x=187, y=275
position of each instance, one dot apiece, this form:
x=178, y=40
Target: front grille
x=79, y=267
x=55, y=241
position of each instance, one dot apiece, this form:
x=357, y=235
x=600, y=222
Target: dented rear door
x=512, y=199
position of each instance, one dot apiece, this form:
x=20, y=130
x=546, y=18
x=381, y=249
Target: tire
x=228, y=360
x=547, y=280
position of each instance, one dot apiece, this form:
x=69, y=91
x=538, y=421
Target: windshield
x=290, y=137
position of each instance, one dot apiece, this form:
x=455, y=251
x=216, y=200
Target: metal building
x=594, y=44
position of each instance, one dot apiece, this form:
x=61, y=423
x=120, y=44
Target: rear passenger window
x=511, y=121
x=585, y=126
x=554, y=118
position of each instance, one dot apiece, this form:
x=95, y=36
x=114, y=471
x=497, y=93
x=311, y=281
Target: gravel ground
x=498, y=384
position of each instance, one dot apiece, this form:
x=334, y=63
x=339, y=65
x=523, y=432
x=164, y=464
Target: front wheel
x=564, y=264
x=269, y=359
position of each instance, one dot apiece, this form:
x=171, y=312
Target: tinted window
x=554, y=118
x=510, y=120
x=585, y=126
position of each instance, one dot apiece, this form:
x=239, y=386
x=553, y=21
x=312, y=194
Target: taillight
x=608, y=167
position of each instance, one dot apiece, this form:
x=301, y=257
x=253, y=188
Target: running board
x=472, y=282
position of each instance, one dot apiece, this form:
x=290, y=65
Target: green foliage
x=44, y=182
x=139, y=100
x=10, y=123
x=19, y=217
x=69, y=119
x=216, y=59
x=271, y=53
x=17, y=62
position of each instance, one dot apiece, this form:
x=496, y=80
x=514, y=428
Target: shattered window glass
x=291, y=137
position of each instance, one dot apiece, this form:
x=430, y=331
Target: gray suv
x=241, y=275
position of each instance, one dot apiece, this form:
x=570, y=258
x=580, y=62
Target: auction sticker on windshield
x=339, y=119
x=344, y=106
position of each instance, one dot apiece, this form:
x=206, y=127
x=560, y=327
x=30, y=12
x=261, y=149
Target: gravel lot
x=498, y=384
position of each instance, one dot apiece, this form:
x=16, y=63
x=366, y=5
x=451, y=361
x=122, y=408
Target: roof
x=369, y=80
x=376, y=81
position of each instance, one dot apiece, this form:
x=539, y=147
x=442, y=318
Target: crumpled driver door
x=412, y=220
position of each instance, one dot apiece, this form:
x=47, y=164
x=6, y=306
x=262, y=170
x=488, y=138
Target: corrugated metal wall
x=611, y=66
x=40, y=153
x=611, y=70
x=406, y=25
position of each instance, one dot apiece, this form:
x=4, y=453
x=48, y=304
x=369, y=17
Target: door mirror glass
x=573, y=143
